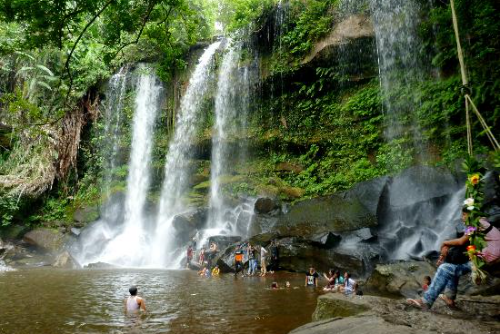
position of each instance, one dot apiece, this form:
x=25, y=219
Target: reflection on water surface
x=48, y=301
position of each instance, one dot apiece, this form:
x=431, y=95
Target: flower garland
x=472, y=203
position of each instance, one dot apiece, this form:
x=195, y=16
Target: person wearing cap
x=134, y=303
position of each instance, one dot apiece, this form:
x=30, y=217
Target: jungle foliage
x=317, y=128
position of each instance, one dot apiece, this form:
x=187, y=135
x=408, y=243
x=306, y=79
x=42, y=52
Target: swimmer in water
x=134, y=303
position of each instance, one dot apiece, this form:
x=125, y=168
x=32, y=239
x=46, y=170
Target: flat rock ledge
x=336, y=313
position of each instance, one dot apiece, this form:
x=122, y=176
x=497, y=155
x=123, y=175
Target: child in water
x=216, y=271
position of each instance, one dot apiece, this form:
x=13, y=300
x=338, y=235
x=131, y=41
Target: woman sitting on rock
x=349, y=286
x=331, y=278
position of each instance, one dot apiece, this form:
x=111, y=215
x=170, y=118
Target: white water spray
x=177, y=168
x=128, y=244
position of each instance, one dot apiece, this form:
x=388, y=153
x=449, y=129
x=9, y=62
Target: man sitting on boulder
x=448, y=274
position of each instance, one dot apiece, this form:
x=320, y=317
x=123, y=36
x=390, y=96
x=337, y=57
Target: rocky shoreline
x=336, y=313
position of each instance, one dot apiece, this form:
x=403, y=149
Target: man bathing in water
x=134, y=303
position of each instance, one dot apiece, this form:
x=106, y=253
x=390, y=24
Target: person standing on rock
x=252, y=260
x=201, y=259
x=263, y=262
x=274, y=262
x=134, y=303
x=238, y=260
x=312, y=277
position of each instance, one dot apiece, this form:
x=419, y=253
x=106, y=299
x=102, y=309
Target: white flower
x=470, y=208
x=469, y=202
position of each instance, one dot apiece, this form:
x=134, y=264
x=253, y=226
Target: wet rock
x=424, y=182
x=75, y=231
x=400, y=278
x=368, y=193
x=353, y=27
x=186, y=224
x=45, y=239
x=333, y=213
x=12, y=232
x=86, y=215
x=100, y=265
x=262, y=224
x=491, y=202
x=327, y=240
x=331, y=306
x=370, y=314
x=298, y=254
x=64, y=260
x=361, y=325
x=265, y=205
x=223, y=241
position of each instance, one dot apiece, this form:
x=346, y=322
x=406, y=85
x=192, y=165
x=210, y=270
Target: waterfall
x=408, y=229
x=113, y=122
x=229, y=147
x=177, y=168
x=401, y=66
x=128, y=242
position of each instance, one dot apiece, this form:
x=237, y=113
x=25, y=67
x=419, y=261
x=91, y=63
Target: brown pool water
x=50, y=301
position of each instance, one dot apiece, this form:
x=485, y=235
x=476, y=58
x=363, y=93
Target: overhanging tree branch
x=144, y=22
x=66, y=65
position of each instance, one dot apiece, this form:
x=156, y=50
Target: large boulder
x=224, y=241
x=419, y=184
x=265, y=205
x=188, y=223
x=298, y=254
x=418, y=209
x=64, y=260
x=325, y=214
x=45, y=239
x=345, y=211
x=400, y=278
x=333, y=305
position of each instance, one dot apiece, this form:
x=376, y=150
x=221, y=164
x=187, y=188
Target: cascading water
x=228, y=148
x=126, y=246
x=113, y=118
x=177, y=168
x=417, y=216
x=401, y=67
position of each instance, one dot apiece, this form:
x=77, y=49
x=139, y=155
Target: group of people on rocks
x=337, y=282
x=269, y=259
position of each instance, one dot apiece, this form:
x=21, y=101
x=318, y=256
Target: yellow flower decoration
x=474, y=179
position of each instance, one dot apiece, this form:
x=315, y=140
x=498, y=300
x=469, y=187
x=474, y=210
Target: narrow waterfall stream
x=401, y=65
x=228, y=147
x=163, y=251
x=423, y=225
x=132, y=232
x=113, y=119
